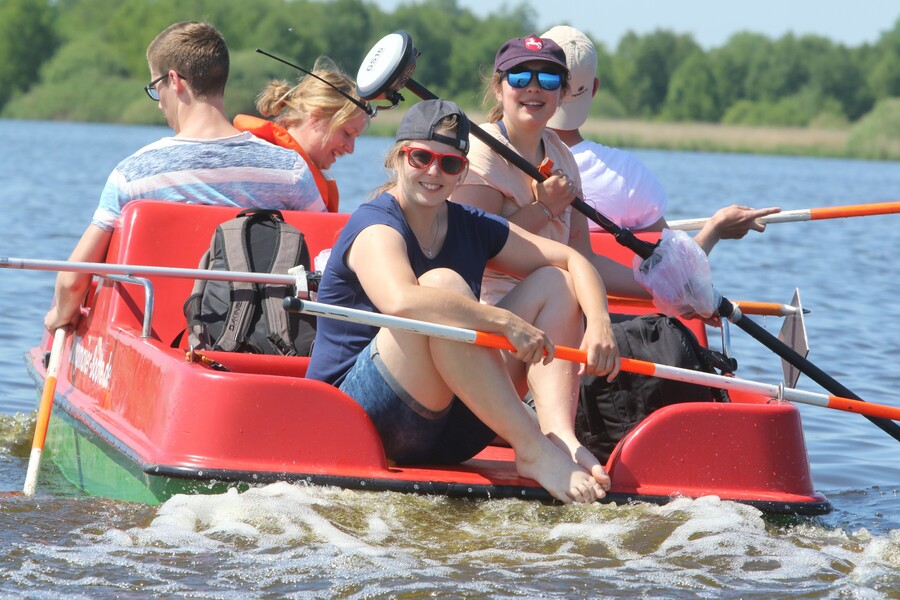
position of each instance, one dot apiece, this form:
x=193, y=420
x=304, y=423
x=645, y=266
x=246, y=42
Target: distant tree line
x=84, y=60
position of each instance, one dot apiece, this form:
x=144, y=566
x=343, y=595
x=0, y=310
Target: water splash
x=285, y=539
x=16, y=433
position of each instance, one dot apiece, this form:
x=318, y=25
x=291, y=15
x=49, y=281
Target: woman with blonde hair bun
x=313, y=118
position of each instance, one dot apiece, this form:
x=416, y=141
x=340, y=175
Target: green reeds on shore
x=877, y=136
x=713, y=137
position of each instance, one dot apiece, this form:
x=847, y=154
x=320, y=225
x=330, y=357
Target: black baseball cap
x=421, y=122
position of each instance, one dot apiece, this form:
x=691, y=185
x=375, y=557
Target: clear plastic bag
x=678, y=277
x=320, y=260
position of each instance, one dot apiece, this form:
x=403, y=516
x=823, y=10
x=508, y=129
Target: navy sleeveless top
x=473, y=238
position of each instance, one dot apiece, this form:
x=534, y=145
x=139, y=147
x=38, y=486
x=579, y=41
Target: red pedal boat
x=135, y=419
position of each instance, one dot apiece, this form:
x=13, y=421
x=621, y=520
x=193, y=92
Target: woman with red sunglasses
x=410, y=252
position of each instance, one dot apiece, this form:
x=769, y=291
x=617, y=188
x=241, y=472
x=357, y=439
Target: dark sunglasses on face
x=151, y=90
x=521, y=78
x=420, y=158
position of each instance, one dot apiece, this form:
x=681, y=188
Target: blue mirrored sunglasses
x=521, y=78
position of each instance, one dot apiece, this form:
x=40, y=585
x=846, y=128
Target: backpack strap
x=709, y=360
x=230, y=236
x=272, y=214
x=198, y=332
x=716, y=360
x=288, y=242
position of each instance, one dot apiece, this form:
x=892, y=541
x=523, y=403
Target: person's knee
x=446, y=279
x=545, y=288
x=554, y=283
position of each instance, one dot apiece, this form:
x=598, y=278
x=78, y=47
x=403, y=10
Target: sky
x=710, y=22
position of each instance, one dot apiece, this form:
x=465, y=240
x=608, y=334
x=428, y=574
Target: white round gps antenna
x=386, y=67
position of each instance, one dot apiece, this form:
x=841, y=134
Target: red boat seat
x=605, y=244
x=169, y=234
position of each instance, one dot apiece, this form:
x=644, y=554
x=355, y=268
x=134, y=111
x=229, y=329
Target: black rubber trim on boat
x=456, y=490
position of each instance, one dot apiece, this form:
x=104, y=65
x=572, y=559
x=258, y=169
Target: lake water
x=284, y=540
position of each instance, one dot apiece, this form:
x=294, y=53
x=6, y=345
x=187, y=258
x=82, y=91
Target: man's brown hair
x=194, y=50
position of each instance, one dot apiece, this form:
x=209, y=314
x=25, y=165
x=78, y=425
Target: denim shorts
x=410, y=432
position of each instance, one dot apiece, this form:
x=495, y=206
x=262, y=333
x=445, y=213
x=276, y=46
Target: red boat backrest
x=170, y=234
x=605, y=244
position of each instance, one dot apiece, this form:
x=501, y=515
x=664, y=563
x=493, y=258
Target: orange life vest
x=278, y=135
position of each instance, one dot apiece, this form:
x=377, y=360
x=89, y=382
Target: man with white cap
x=614, y=181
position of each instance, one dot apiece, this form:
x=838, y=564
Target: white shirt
x=619, y=186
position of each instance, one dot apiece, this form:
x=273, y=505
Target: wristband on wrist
x=545, y=209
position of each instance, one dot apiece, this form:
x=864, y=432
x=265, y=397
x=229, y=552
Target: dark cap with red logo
x=524, y=49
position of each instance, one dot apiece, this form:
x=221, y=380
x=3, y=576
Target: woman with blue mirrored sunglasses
x=521, y=78
x=529, y=82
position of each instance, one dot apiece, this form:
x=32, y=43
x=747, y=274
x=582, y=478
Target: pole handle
x=43, y=417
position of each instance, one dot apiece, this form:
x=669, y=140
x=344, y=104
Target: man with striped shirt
x=207, y=161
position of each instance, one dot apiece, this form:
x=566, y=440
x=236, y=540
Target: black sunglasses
x=151, y=90
x=522, y=78
x=420, y=158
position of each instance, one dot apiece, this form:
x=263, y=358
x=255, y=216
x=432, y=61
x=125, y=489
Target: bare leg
x=472, y=370
x=547, y=299
x=433, y=370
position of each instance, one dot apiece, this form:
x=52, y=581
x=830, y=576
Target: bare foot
x=586, y=460
x=557, y=473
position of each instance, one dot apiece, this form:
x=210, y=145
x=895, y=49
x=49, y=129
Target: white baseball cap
x=581, y=58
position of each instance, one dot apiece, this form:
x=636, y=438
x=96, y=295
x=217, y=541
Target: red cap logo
x=533, y=42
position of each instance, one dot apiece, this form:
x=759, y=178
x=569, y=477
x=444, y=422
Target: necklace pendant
x=429, y=254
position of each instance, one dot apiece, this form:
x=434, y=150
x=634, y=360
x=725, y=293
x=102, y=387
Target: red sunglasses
x=420, y=158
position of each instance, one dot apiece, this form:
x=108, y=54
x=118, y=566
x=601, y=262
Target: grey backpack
x=239, y=316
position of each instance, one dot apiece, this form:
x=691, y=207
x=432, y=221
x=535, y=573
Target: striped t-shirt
x=240, y=170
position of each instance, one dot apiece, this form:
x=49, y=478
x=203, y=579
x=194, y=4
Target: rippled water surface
x=284, y=540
